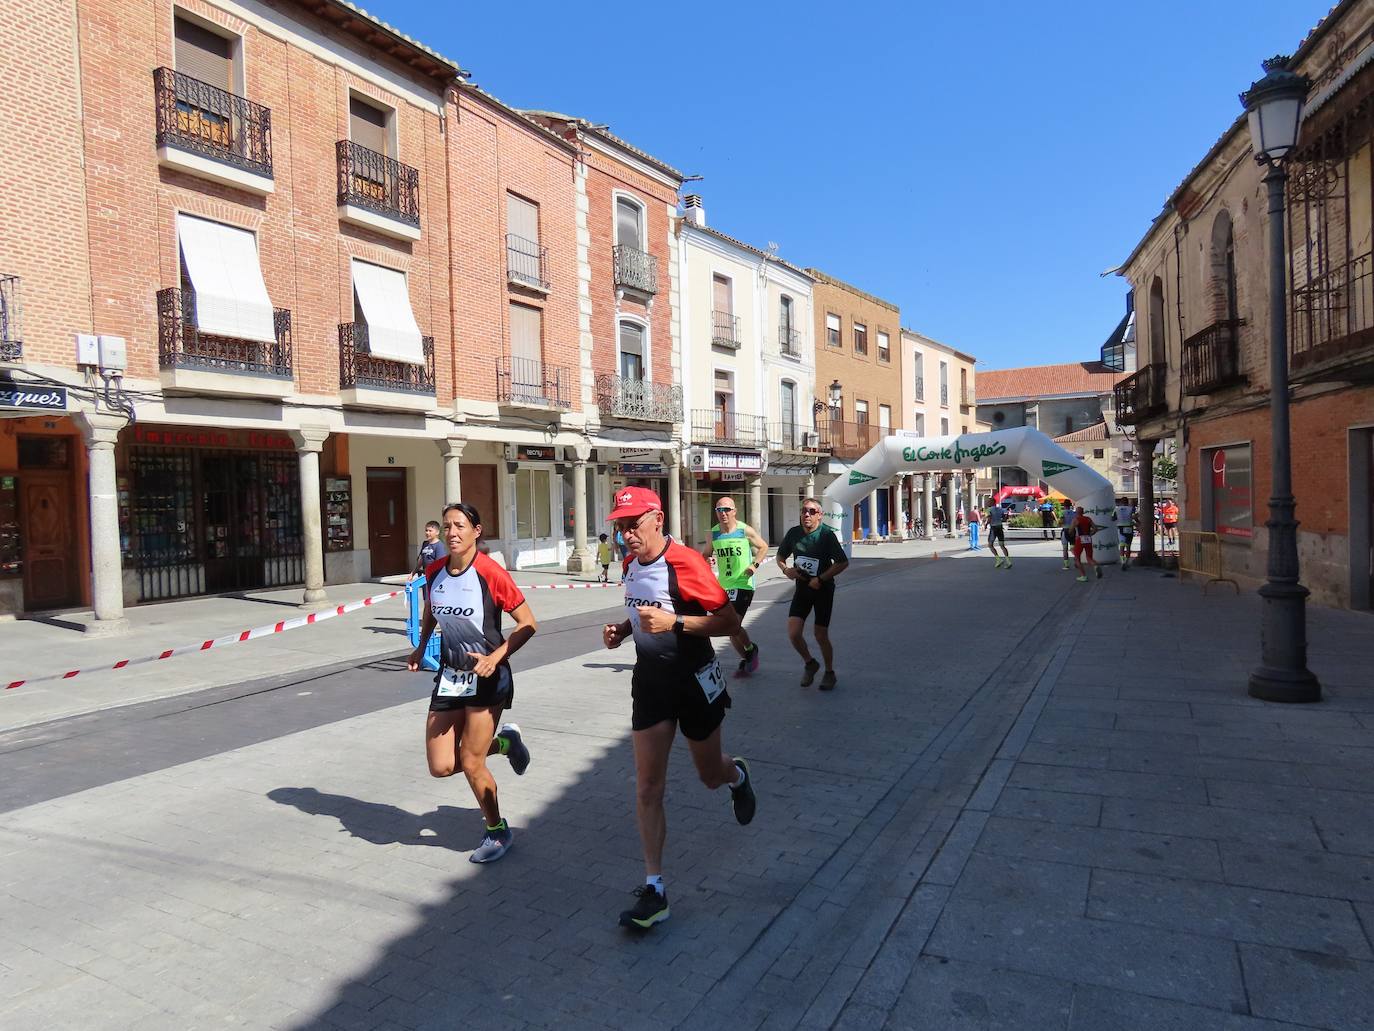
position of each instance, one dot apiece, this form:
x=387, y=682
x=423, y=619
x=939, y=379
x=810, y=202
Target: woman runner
x=468, y=592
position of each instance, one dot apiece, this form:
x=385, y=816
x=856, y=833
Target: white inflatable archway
x=1029, y=449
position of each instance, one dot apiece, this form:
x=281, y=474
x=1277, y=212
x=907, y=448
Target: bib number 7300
x=711, y=679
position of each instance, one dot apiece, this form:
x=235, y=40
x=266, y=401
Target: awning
x=391, y=328
x=231, y=298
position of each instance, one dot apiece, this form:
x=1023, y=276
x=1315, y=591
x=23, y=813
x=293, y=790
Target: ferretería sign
x=43, y=399
x=955, y=454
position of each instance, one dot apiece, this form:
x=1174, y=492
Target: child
x=431, y=551
x=603, y=556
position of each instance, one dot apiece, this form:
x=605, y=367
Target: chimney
x=692, y=209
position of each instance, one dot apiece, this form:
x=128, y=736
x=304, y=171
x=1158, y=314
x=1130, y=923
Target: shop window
x=1227, y=499
x=533, y=518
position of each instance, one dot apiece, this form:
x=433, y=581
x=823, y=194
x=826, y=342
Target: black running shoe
x=1099, y=572
x=742, y=797
x=651, y=907
x=750, y=662
x=809, y=672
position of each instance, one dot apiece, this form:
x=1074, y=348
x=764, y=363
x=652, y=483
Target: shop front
x=540, y=523
x=718, y=472
x=208, y=511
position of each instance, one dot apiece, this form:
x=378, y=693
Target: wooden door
x=387, y=521
x=479, y=490
x=49, y=533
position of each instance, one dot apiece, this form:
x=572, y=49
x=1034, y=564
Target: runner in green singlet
x=739, y=551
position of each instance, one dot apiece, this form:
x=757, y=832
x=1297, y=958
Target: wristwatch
x=679, y=625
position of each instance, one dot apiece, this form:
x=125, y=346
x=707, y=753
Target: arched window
x=629, y=223
x=1224, y=302
x=1157, y=353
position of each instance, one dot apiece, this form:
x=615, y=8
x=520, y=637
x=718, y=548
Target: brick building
x=1200, y=282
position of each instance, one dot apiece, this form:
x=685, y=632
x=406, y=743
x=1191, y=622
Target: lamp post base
x=1283, y=685
x=1283, y=675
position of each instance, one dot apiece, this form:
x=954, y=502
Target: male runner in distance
x=996, y=535
x=1066, y=518
x=817, y=558
x=739, y=551
x=675, y=607
x=1083, y=530
x=1125, y=528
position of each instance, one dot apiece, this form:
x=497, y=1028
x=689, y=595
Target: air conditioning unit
x=698, y=459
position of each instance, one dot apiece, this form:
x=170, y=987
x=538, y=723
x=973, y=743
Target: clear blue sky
x=979, y=164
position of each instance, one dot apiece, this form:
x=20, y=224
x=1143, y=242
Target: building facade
x=1200, y=281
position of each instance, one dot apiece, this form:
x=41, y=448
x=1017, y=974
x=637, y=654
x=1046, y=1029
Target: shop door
x=232, y=509
x=49, y=534
x=386, y=521
x=479, y=491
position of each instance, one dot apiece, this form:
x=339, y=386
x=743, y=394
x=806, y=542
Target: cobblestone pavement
x=1030, y=803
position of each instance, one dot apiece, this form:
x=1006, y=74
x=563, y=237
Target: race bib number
x=808, y=565
x=732, y=594
x=711, y=679
x=457, y=683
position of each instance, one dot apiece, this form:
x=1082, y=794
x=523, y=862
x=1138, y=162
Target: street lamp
x=1274, y=106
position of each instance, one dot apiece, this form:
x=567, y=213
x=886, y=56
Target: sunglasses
x=725, y=510
x=631, y=526
x=811, y=511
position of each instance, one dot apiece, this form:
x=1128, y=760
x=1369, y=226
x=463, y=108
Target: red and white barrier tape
x=245, y=635
x=562, y=587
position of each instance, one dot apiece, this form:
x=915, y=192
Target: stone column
x=1145, y=551
x=872, y=502
x=756, y=513
x=452, y=450
x=100, y=432
x=672, y=461
x=581, y=560
x=309, y=442
x=811, y=484
x=928, y=504
x=950, y=502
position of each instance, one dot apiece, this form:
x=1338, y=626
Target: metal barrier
x=414, y=598
x=1200, y=553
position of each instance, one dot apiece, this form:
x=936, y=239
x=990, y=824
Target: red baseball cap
x=634, y=501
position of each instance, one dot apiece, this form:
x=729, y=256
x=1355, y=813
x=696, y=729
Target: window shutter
x=367, y=126
x=526, y=331
x=627, y=224
x=203, y=55
x=522, y=218
x=631, y=339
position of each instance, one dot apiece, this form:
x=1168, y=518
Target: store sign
x=251, y=440
x=641, y=468
x=1232, y=501
x=530, y=453
x=637, y=454
x=43, y=399
x=730, y=477
x=744, y=461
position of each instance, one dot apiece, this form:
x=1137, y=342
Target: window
x=522, y=218
x=1226, y=492
x=920, y=376
x=533, y=515
x=787, y=408
x=526, y=351
x=203, y=54
x=861, y=412
x=944, y=427
x=1224, y=268
x=884, y=347
x=885, y=416
x=367, y=126
x=860, y=338
x=724, y=404
x=944, y=384
x=832, y=330
x=631, y=351
x=963, y=386
x=221, y=265
x=722, y=295
x=381, y=300
x=524, y=256
x=1157, y=341
x=629, y=224
x=919, y=423
x=1097, y=452
x=963, y=429
x=786, y=336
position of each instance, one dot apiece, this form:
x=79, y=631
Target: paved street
x=1030, y=803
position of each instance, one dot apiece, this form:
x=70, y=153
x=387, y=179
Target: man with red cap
x=674, y=606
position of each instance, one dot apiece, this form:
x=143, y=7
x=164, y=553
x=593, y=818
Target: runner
x=1066, y=518
x=1083, y=530
x=739, y=551
x=468, y=592
x=996, y=534
x=1170, y=513
x=817, y=558
x=1125, y=527
x=675, y=607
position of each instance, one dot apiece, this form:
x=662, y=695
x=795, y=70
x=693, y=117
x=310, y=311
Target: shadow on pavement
x=447, y=826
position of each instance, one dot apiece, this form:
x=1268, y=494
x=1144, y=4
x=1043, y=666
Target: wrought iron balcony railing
x=966, y=397
x=795, y=436
x=728, y=429
x=532, y=383
x=1141, y=395
x=635, y=269
x=1211, y=358
x=526, y=262
x=1333, y=315
x=725, y=330
x=944, y=394
x=920, y=388
x=789, y=340
x=853, y=439
x=182, y=346
x=11, y=323
x=359, y=368
x=377, y=183
x=618, y=397
x=214, y=123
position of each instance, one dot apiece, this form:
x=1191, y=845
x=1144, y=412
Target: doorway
x=387, y=520
x=1362, y=519
x=232, y=513
x=48, y=523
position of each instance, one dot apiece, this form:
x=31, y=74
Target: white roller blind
x=391, y=328
x=631, y=339
x=522, y=218
x=627, y=224
x=526, y=335
x=231, y=298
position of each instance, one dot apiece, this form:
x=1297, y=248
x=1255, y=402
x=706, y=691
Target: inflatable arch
x=1027, y=448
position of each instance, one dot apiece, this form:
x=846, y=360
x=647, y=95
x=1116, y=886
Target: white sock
x=741, y=776
x=655, y=881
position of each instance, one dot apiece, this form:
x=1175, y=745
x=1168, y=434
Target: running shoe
x=996, y=561
x=809, y=672
x=1066, y=563
x=1099, y=571
x=651, y=907
x=516, y=750
x=495, y=844
x=828, y=681
x=1006, y=562
x=742, y=797
x=750, y=662
x=1082, y=579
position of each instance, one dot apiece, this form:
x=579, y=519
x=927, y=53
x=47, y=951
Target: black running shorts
x=995, y=533
x=498, y=690
x=674, y=694
x=740, y=599
x=806, y=601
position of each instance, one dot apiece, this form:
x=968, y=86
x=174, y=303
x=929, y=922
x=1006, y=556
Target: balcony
x=789, y=341
x=11, y=324
x=531, y=383
x=367, y=381
x=526, y=264
x=795, y=436
x=1333, y=319
x=727, y=429
x=725, y=330
x=1211, y=358
x=211, y=133
x=1140, y=396
x=191, y=360
x=851, y=440
x=634, y=270
x=378, y=192
x=966, y=397
x=639, y=400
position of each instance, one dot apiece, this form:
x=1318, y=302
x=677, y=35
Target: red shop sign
x=176, y=436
